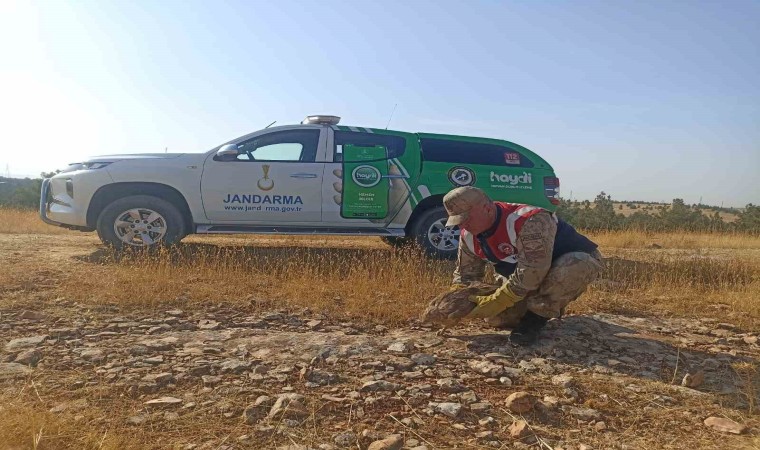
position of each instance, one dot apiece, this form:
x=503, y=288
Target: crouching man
x=542, y=262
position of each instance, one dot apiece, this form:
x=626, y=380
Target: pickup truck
x=316, y=177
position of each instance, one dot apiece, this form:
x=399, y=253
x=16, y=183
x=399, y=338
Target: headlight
x=85, y=166
x=95, y=165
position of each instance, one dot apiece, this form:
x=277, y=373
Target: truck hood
x=113, y=158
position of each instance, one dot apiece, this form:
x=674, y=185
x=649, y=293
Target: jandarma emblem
x=266, y=183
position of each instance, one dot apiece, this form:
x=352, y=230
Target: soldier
x=542, y=262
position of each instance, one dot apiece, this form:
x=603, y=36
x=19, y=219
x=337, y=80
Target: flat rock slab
x=725, y=425
x=13, y=370
x=163, y=402
x=25, y=342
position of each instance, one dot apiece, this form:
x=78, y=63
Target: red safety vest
x=502, y=241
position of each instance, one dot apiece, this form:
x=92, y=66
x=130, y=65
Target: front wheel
x=434, y=237
x=140, y=221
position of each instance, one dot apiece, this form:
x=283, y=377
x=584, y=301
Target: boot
x=528, y=329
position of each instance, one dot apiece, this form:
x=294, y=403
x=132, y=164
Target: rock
x=25, y=342
x=392, y=442
x=451, y=385
x=160, y=379
x=505, y=381
x=322, y=378
x=199, y=371
x=290, y=406
x=314, y=324
x=600, y=426
x=136, y=420
x=586, y=414
x=519, y=429
x=401, y=347
x=235, y=366
x=208, y=325
x=264, y=400
x=163, y=402
x=486, y=368
x=484, y=435
x=58, y=333
x=423, y=359
x=31, y=315
x=520, y=402
x=486, y=421
x=448, y=409
x=480, y=407
x=468, y=397
x=379, y=385
x=94, y=355
x=254, y=413
x=751, y=340
x=448, y=307
x=138, y=350
x=345, y=439
x=29, y=357
x=156, y=360
x=564, y=380
x=725, y=425
x=693, y=380
x=211, y=380
x=69, y=406
x=159, y=345
x=413, y=375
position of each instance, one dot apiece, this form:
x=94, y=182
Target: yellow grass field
x=649, y=273
x=361, y=280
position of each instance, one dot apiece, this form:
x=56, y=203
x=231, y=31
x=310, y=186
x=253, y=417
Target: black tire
x=397, y=241
x=443, y=248
x=170, y=216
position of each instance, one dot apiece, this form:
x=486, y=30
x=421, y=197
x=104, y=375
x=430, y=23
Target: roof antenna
x=270, y=125
x=389, y=118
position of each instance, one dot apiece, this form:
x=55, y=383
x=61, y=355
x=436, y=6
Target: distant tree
x=749, y=219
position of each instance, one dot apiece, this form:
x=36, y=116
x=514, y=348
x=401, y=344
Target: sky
x=645, y=100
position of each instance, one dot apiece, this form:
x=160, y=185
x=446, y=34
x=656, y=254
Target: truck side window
x=464, y=152
x=282, y=146
x=395, y=144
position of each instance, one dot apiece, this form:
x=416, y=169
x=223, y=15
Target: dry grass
x=25, y=221
x=692, y=274
x=675, y=240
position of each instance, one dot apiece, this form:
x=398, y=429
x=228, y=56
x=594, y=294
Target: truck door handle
x=303, y=175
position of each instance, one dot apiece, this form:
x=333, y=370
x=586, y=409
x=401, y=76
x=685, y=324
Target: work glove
x=491, y=305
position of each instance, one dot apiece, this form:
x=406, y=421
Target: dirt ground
x=225, y=371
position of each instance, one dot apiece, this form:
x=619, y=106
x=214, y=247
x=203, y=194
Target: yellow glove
x=456, y=286
x=491, y=305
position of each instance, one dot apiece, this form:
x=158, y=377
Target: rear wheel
x=433, y=236
x=140, y=221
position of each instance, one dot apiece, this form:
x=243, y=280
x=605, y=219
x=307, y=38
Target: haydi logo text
x=525, y=178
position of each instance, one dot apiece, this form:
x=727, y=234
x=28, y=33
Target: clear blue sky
x=645, y=100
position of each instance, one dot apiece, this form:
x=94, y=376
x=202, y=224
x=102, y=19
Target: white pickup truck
x=315, y=177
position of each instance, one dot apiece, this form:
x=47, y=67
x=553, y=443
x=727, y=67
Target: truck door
x=275, y=178
x=367, y=185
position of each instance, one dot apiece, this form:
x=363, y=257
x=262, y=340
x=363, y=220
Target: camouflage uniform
x=548, y=286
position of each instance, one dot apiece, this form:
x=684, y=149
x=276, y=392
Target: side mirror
x=227, y=152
